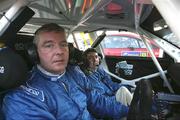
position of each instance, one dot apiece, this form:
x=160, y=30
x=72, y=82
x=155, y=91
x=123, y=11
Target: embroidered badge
x=34, y=92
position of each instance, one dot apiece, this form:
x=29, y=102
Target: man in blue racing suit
x=54, y=90
x=100, y=80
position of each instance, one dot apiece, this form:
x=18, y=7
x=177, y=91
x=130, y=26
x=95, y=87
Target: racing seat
x=13, y=72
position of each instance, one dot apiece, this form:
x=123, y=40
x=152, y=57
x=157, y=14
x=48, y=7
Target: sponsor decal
x=134, y=53
x=127, y=68
x=34, y=92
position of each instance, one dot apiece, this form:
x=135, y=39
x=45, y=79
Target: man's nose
x=59, y=49
x=94, y=59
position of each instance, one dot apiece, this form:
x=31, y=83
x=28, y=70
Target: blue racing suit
x=102, y=82
x=62, y=97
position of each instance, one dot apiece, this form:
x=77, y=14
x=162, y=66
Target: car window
x=119, y=42
x=128, y=45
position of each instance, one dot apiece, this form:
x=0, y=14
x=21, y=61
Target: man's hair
x=50, y=27
x=91, y=50
x=88, y=51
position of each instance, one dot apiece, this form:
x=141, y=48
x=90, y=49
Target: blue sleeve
x=105, y=107
x=80, y=78
x=98, y=105
x=106, y=79
x=23, y=107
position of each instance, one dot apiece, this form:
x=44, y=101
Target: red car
x=128, y=44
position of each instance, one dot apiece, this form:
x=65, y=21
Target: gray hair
x=50, y=27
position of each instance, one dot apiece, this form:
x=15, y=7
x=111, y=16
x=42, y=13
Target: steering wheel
x=140, y=108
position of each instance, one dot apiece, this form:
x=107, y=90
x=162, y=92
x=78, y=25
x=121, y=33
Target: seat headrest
x=13, y=69
x=75, y=55
x=174, y=72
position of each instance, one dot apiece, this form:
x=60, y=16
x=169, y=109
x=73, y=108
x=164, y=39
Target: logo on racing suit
x=34, y=92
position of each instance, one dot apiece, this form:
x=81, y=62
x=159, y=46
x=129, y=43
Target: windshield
x=128, y=44
x=122, y=42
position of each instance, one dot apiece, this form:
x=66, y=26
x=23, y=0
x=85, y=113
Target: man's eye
x=90, y=58
x=48, y=45
x=64, y=45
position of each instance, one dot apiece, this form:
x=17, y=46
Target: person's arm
x=105, y=107
x=21, y=106
x=113, y=85
x=98, y=105
x=106, y=79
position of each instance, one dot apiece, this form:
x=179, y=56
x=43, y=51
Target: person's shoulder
x=100, y=69
x=76, y=74
x=33, y=91
x=25, y=92
x=37, y=78
x=75, y=70
x=34, y=87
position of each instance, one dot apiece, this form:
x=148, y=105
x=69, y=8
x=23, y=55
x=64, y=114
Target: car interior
x=152, y=76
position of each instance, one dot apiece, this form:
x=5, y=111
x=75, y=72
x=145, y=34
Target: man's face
x=93, y=60
x=53, y=51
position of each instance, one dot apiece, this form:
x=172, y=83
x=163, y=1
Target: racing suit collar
x=54, y=77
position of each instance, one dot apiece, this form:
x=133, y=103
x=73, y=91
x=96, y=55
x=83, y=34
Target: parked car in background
x=128, y=44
